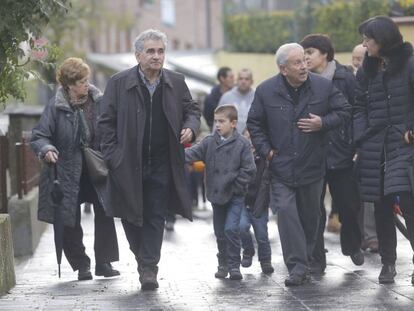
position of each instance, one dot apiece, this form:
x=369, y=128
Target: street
x=187, y=282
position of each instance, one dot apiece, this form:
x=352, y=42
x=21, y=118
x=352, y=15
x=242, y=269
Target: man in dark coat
x=149, y=114
x=288, y=120
x=225, y=77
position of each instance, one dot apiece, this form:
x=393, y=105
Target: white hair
x=149, y=34
x=283, y=51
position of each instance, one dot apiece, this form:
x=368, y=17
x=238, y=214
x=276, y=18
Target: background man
x=240, y=96
x=225, y=77
x=149, y=114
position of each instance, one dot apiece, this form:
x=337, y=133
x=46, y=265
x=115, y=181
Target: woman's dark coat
x=55, y=132
x=340, y=148
x=122, y=129
x=384, y=111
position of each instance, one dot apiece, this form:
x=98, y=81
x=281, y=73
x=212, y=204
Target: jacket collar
x=62, y=103
x=281, y=89
x=396, y=58
x=132, y=79
x=219, y=141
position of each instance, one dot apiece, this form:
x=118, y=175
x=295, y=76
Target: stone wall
x=26, y=229
x=7, y=275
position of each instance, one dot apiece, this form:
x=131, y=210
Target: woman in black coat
x=68, y=122
x=383, y=124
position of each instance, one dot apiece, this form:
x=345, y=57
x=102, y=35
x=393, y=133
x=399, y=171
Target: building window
x=168, y=12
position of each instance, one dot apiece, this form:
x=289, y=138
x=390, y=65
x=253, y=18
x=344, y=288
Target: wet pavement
x=187, y=282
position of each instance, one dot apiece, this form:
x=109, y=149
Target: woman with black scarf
x=68, y=123
x=383, y=125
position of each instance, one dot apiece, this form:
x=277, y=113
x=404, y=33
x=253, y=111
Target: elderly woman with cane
x=67, y=125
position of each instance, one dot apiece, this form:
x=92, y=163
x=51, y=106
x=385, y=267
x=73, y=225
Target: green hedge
x=264, y=33
x=258, y=32
x=340, y=20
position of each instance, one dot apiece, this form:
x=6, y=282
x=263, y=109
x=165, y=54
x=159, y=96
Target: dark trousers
x=298, y=214
x=105, y=245
x=226, y=222
x=345, y=194
x=146, y=241
x=386, y=232
x=260, y=232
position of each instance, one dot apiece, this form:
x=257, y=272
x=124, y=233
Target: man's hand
x=186, y=136
x=270, y=155
x=51, y=157
x=311, y=124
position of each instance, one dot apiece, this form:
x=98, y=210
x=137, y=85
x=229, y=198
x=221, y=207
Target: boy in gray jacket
x=229, y=169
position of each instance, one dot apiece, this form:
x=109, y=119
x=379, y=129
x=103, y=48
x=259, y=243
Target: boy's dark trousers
x=345, y=193
x=260, y=232
x=226, y=221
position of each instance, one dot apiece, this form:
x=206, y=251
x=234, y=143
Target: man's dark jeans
x=298, y=214
x=260, y=233
x=226, y=221
x=146, y=241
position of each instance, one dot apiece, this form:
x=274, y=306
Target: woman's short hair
x=384, y=31
x=149, y=34
x=320, y=42
x=229, y=111
x=71, y=70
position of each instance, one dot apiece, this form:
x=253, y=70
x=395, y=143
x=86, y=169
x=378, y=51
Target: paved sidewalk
x=187, y=280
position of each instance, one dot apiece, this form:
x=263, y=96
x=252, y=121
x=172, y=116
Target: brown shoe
x=334, y=225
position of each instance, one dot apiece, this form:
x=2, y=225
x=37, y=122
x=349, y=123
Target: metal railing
x=28, y=167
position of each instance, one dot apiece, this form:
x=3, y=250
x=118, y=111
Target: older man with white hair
x=288, y=120
x=148, y=116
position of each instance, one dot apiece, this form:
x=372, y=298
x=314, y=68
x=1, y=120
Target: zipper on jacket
x=150, y=133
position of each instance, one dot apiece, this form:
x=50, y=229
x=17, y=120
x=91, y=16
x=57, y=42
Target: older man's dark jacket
x=300, y=157
x=122, y=128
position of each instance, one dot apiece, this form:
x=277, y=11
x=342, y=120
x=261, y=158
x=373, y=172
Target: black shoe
x=246, y=261
x=222, y=272
x=387, y=274
x=148, y=278
x=235, y=274
x=267, y=267
x=316, y=268
x=106, y=270
x=358, y=258
x=297, y=280
x=84, y=274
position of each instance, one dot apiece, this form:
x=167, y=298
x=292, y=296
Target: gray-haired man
x=289, y=117
x=148, y=116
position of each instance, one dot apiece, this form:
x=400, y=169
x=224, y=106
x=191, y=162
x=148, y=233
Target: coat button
x=389, y=96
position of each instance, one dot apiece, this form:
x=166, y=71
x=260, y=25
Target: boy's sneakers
x=246, y=261
x=235, y=274
x=222, y=272
x=267, y=267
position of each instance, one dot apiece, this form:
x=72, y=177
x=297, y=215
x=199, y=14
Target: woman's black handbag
x=95, y=164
